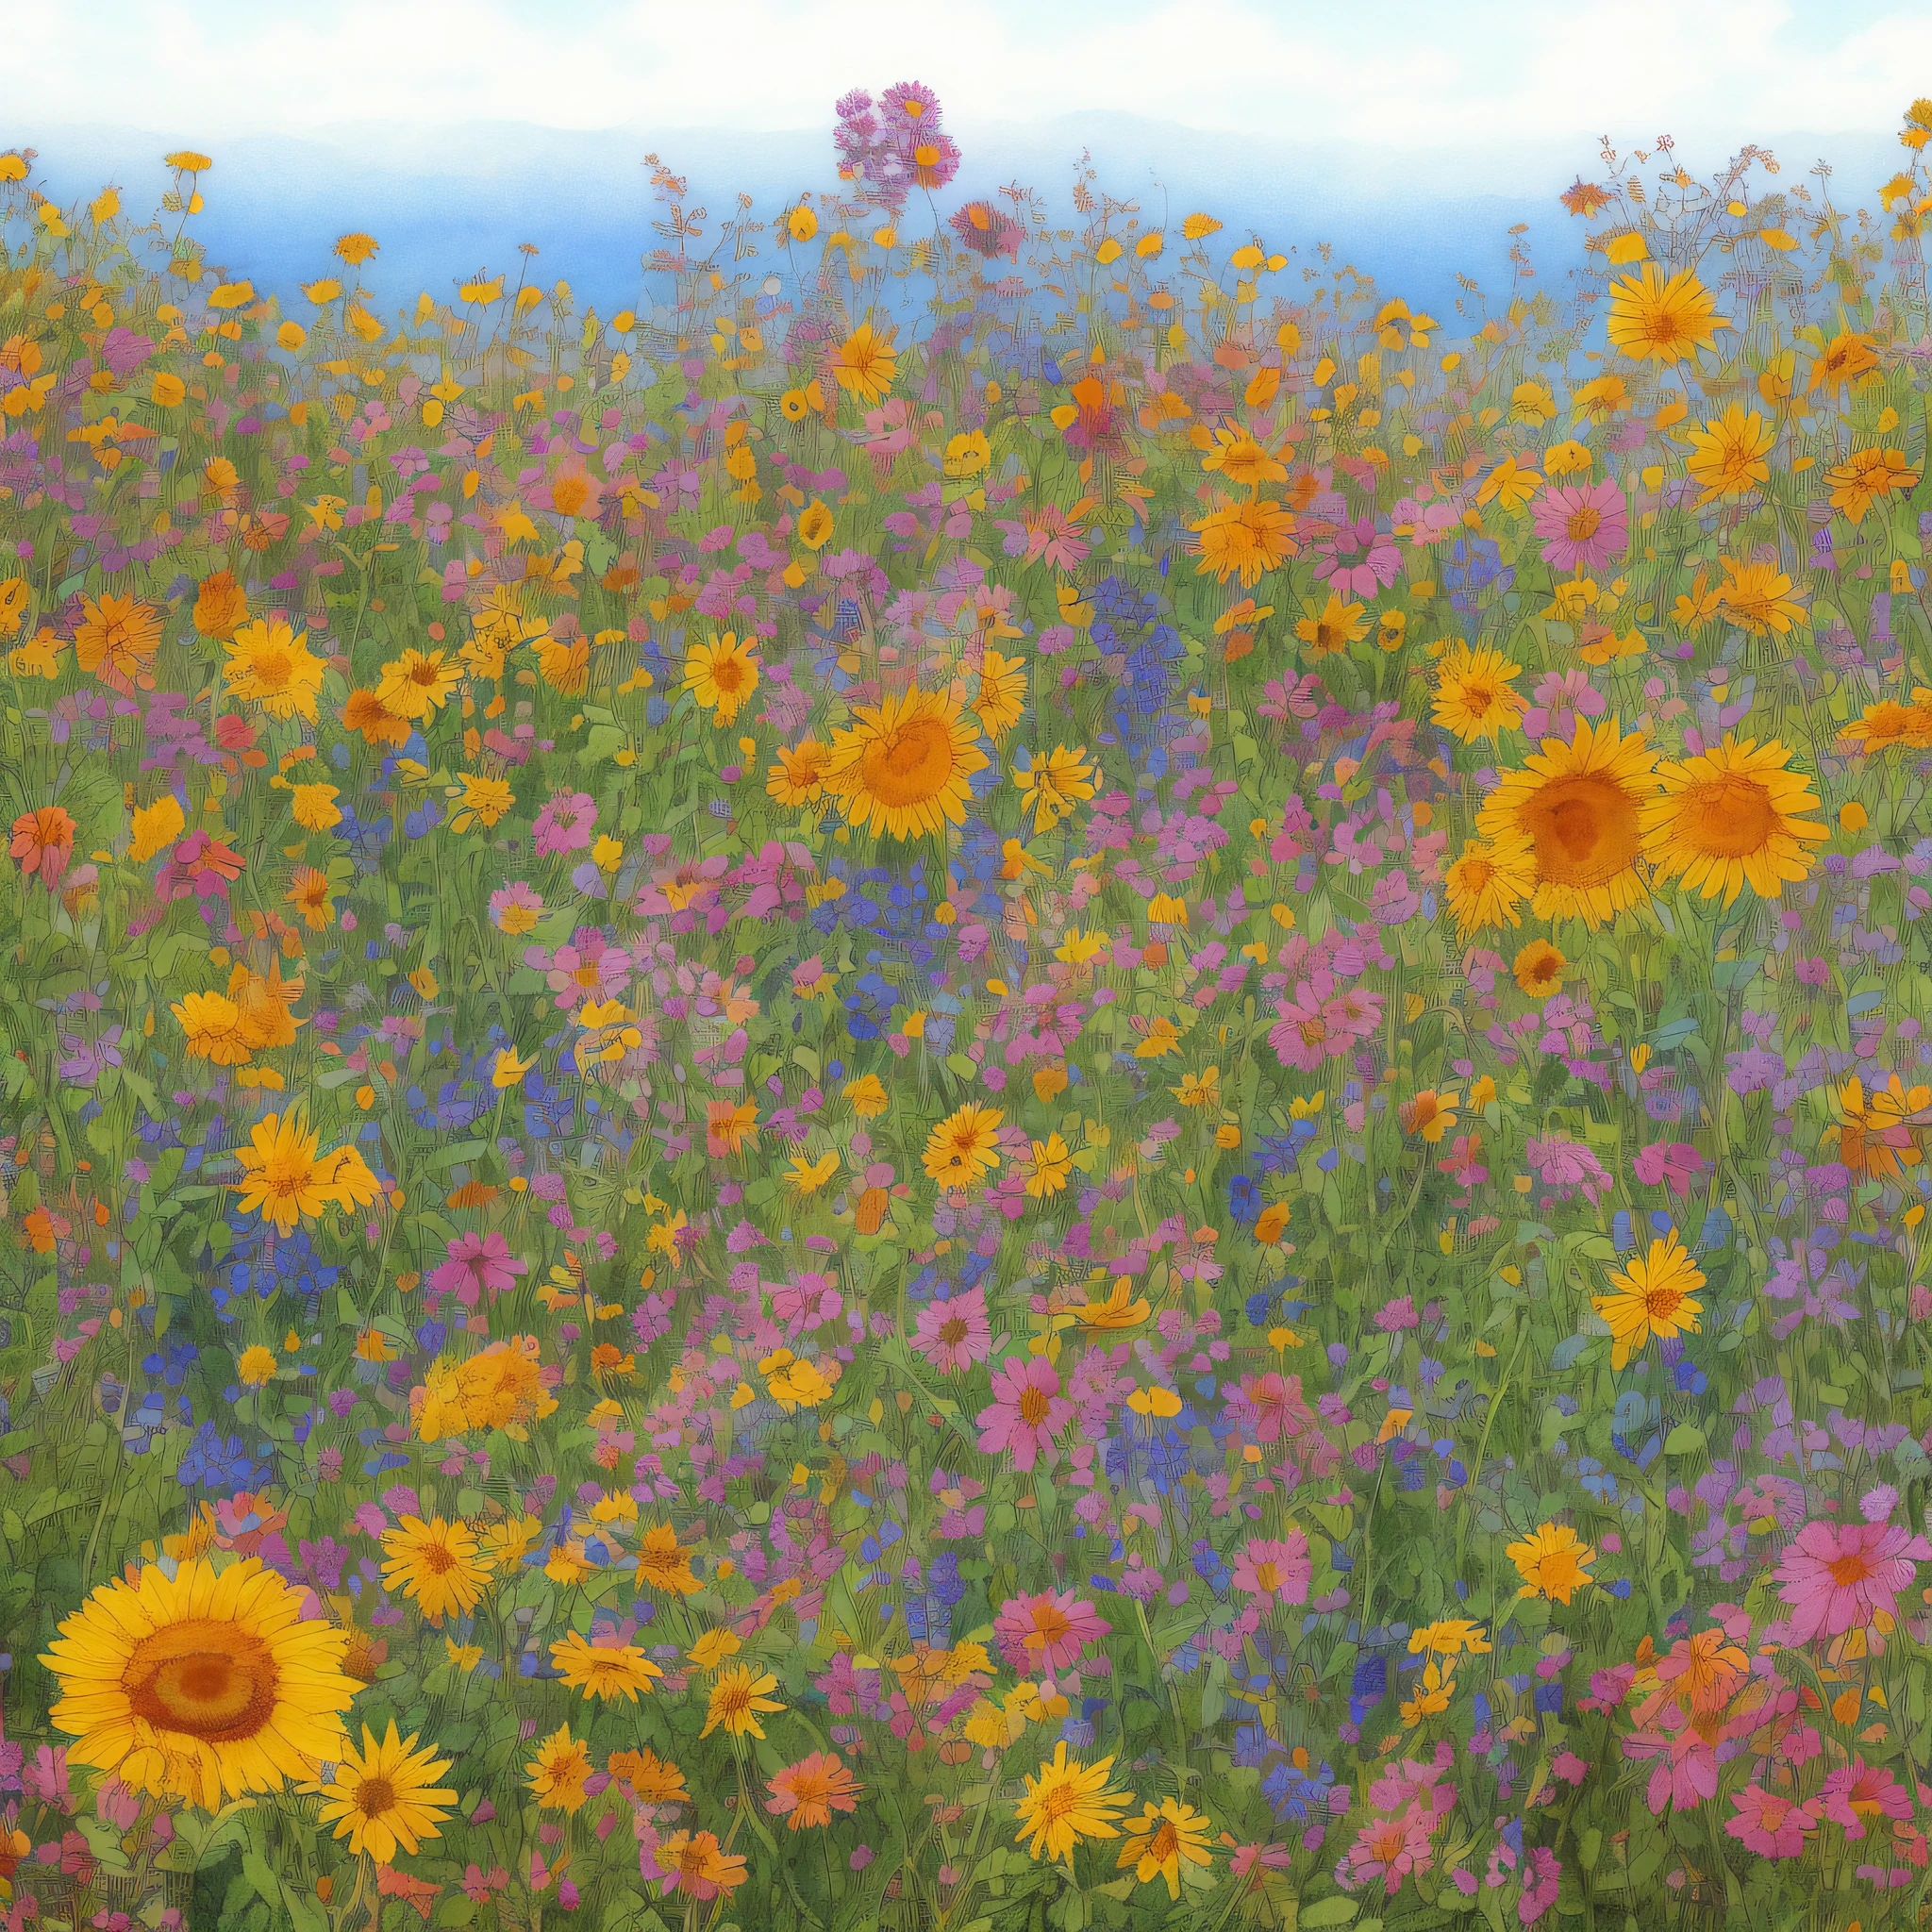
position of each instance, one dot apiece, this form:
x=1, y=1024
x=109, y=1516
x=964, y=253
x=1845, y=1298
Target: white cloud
x=1439, y=82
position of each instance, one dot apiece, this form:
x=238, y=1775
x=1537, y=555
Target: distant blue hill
x=444, y=201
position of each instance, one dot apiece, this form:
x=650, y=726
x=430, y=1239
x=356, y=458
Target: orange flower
x=117, y=638
x=43, y=842
x=812, y=1790
x=221, y=606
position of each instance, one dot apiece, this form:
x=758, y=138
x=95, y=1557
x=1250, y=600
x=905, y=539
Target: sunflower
x=1653, y=320
x=1538, y=969
x=1866, y=475
x=1163, y=1839
x=963, y=1146
x=739, y=1700
x=1841, y=359
x=418, y=684
x=1728, y=455
x=656, y=1780
x=1553, y=1561
x=663, y=1563
x=905, y=766
x=560, y=1771
x=1757, y=597
x=1069, y=1801
x=213, y=1027
x=1052, y=783
x=201, y=1684
x=384, y=1797
x=1654, y=1296
x=117, y=638
x=436, y=1564
x=1484, y=885
x=1332, y=630
x=367, y=713
x=1577, y=807
x=1475, y=694
x=721, y=675
x=603, y=1671
x=799, y=776
x=1731, y=817
x=311, y=893
x=865, y=364
x=1244, y=539
x=1002, y=694
x=286, y=1181
x=1237, y=456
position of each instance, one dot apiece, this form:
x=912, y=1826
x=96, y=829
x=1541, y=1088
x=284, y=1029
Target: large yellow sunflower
x=1475, y=694
x=1577, y=806
x=386, y=1797
x=905, y=766
x=1732, y=817
x=1653, y=320
x=203, y=1684
x=437, y=1563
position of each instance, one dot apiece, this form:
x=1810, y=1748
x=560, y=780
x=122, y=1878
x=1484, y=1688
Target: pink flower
x=1301, y=1036
x=588, y=967
x=1275, y=1570
x=1388, y=1849
x=1027, y=1410
x=1772, y=1826
x=1358, y=561
x=520, y=897
x=1840, y=1576
x=1582, y=524
x=1355, y=1013
x=1047, y=1632
x=1568, y=1167
x=954, y=1334
x=1274, y=1403
x=476, y=1262
x=1668, y=1162
x=1857, y=1793
x=565, y=824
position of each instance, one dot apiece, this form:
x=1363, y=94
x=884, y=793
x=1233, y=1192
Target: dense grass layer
x=1001, y=1077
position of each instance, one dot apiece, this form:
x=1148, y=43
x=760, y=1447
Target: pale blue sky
x=1409, y=133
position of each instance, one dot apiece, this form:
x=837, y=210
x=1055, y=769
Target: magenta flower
x=1027, y=1412
x=1047, y=1632
x=952, y=1335
x=1772, y=1826
x=1583, y=525
x=476, y=1262
x=1840, y=1576
x=1276, y=1568
x=565, y=824
x=1671, y=1162
x=1858, y=1795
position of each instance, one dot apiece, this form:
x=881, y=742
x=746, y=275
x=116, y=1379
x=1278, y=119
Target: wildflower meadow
x=1019, y=1071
